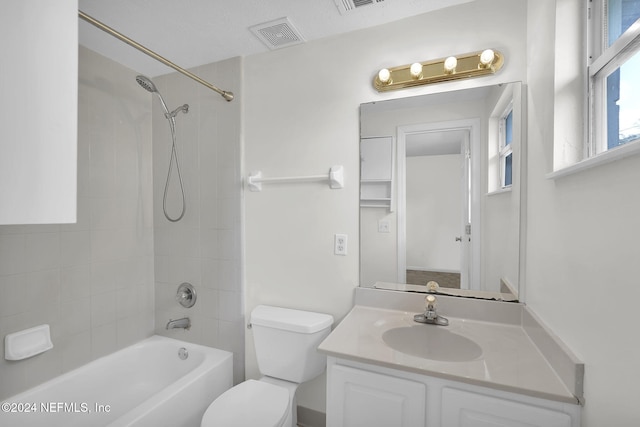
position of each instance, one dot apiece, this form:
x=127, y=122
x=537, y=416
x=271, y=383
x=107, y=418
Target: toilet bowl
x=286, y=343
x=251, y=403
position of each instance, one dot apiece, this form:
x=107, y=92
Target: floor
x=445, y=280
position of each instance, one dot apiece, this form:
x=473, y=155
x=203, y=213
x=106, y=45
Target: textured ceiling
x=196, y=32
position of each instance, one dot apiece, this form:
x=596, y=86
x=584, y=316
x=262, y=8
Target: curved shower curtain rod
x=225, y=94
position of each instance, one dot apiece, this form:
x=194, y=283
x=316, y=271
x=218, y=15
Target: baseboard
x=311, y=418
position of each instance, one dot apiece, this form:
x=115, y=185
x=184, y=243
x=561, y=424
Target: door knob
x=459, y=239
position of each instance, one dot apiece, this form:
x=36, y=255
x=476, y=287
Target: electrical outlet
x=340, y=244
x=383, y=226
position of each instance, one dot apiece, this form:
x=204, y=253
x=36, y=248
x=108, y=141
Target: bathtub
x=146, y=384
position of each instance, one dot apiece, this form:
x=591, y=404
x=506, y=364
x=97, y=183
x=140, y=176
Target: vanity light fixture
x=416, y=70
x=487, y=57
x=450, y=64
x=384, y=76
x=474, y=64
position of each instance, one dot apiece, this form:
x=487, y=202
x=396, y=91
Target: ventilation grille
x=345, y=6
x=277, y=34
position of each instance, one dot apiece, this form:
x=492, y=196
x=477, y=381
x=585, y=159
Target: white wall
x=92, y=281
x=582, y=239
x=301, y=117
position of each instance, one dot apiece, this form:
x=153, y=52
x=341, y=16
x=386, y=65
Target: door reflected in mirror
x=440, y=192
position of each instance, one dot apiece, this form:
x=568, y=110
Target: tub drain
x=183, y=353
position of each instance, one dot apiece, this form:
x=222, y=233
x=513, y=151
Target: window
x=504, y=130
x=614, y=74
x=506, y=149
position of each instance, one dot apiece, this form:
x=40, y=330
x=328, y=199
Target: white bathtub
x=146, y=384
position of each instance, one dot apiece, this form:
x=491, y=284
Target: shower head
x=147, y=84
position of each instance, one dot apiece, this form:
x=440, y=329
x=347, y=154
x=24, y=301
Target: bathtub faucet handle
x=186, y=295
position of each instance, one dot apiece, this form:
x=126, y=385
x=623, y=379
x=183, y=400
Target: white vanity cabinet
x=360, y=395
x=463, y=408
x=364, y=398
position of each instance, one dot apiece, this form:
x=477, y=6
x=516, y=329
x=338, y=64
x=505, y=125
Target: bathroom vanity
x=494, y=364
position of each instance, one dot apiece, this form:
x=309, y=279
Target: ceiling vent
x=277, y=34
x=345, y=6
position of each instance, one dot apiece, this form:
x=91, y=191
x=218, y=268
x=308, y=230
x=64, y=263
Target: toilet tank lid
x=305, y=322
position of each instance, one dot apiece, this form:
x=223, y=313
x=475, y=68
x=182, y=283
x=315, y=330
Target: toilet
x=286, y=343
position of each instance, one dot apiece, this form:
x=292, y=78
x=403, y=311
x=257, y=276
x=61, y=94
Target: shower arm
x=225, y=94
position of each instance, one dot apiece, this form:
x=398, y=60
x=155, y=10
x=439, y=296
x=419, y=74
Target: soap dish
x=29, y=342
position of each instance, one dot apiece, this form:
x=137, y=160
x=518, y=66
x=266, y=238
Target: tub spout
x=184, y=323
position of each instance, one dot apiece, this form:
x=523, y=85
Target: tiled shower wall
x=204, y=247
x=92, y=282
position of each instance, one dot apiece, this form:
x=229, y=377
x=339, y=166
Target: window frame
x=504, y=149
x=603, y=60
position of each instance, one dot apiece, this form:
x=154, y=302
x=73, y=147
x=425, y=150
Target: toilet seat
x=251, y=403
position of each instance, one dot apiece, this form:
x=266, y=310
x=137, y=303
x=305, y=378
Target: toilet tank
x=286, y=342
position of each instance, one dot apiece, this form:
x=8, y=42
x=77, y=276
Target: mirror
x=440, y=189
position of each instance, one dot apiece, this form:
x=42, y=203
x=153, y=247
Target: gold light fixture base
x=467, y=66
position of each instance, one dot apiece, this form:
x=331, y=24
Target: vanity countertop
x=510, y=360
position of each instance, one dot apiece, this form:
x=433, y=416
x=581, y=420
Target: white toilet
x=286, y=343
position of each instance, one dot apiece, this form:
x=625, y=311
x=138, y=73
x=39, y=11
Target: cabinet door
x=38, y=111
x=358, y=398
x=376, y=157
x=466, y=409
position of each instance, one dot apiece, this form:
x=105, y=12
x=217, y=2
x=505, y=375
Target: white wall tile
x=75, y=350
x=208, y=301
x=12, y=295
x=75, y=282
x=103, y=308
x=12, y=253
x=127, y=302
x=228, y=244
x=129, y=331
x=104, y=213
x=104, y=339
x=209, y=243
x=75, y=316
x=42, y=251
x=75, y=248
x=103, y=277
x=229, y=306
x=210, y=332
x=229, y=275
x=210, y=273
x=42, y=367
x=42, y=289
x=184, y=269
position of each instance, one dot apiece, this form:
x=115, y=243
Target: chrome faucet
x=184, y=323
x=430, y=316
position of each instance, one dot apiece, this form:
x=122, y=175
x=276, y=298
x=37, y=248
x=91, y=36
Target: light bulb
x=384, y=76
x=487, y=57
x=416, y=70
x=450, y=64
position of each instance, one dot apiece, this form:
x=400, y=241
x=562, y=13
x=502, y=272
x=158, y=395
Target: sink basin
x=432, y=342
